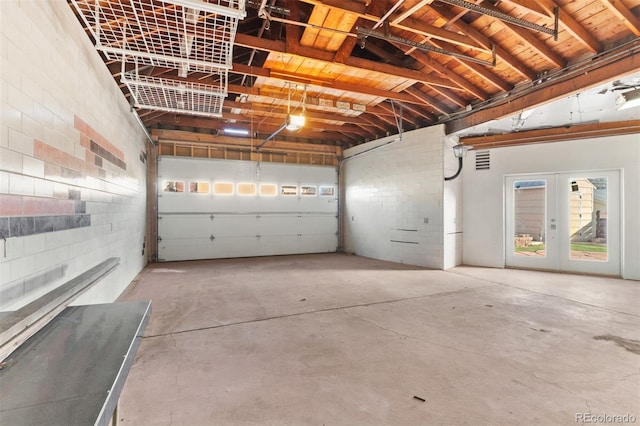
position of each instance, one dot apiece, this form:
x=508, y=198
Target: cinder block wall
x=393, y=199
x=72, y=180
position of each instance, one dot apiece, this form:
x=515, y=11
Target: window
x=199, y=187
x=268, y=189
x=172, y=186
x=288, y=190
x=327, y=191
x=246, y=189
x=223, y=188
x=308, y=191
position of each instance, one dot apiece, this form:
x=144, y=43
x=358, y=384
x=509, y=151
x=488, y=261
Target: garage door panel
x=318, y=224
x=185, y=249
x=318, y=243
x=184, y=226
x=234, y=226
x=196, y=222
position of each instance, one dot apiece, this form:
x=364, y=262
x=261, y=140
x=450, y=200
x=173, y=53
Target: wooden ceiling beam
x=478, y=69
x=555, y=134
x=305, y=52
x=624, y=14
x=161, y=135
x=615, y=64
x=529, y=37
x=375, y=121
x=300, y=78
x=428, y=61
x=368, y=13
x=405, y=117
x=475, y=41
x=376, y=50
x=531, y=6
x=572, y=26
x=254, y=107
x=293, y=32
x=508, y=58
x=264, y=129
x=418, y=94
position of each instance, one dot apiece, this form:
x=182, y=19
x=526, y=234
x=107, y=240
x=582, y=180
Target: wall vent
x=483, y=160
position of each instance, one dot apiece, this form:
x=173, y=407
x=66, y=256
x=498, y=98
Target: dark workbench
x=71, y=372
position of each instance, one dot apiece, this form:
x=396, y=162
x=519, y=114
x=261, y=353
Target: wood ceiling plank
x=572, y=26
x=464, y=83
x=532, y=6
x=317, y=18
x=439, y=106
x=193, y=137
x=336, y=85
x=624, y=14
x=529, y=37
x=363, y=64
x=293, y=35
x=396, y=114
x=480, y=70
x=476, y=35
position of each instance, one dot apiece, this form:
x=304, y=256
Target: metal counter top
x=72, y=371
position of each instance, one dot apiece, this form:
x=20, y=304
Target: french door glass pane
x=529, y=217
x=588, y=219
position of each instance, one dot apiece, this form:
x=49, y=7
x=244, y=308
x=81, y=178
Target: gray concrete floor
x=343, y=340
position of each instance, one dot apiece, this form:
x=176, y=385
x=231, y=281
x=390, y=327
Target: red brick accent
x=84, y=140
x=88, y=132
x=10, y=205
x=50, y=154
x=52, y=172
x=38, y=206
x=77, y=164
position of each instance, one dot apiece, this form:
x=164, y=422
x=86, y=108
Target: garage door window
x=246, y=189
x=223, y=188
x=268, y=189
x=199, y=187
x=172, y=186
x=288, y=190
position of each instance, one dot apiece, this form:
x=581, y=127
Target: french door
x=564, y=222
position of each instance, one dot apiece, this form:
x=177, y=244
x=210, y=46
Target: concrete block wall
x=72, y=179
x=393, y=197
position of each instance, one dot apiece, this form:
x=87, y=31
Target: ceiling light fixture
x=628, y=99
x=295, y=122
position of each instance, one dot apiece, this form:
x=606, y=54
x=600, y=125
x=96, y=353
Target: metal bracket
x=363, y=33
x=501, y=16
x=212, y=238
x=556, y=21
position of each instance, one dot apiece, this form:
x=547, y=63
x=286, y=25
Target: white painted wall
x=483, y=192
x=51, y=74
x=390, y=192
x=452, y=208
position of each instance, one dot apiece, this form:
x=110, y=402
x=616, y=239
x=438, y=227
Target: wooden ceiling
x=427, y=62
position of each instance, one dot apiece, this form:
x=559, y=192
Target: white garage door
x=210, y=209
